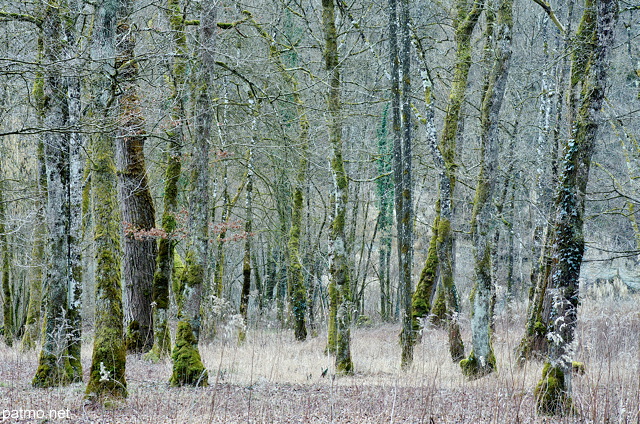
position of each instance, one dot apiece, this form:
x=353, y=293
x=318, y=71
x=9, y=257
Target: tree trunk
x=402, y=164
x=425, y=289
x=108, y=362
x=248, y=225
x=594, y=38
x=136, y=204
x=481, y=360
x=187, y=364
x=59, y=360
x=340, y=294
x=7, y=290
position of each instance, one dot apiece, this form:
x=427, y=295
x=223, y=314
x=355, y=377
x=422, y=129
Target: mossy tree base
x=107, y=376
x=474, y=368
x=188, y=369
x=551, y=393
x=53, y=372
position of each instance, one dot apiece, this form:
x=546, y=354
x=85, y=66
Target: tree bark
x=188, y=368
x=60, y=356
x=340, y=293
x=108, y=362
x=594, y=38
x=136, y=203
x=481, y=360
x=402, y=163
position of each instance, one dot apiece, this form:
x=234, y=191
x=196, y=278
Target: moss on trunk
x=551, y=393
x=188, y=369
x=473, y=367
x=108, y=361
x=425, y=289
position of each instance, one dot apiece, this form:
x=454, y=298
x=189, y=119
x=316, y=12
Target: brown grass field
x=273, y=379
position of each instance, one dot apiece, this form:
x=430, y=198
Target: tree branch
x=10, y=16
x=547, y=8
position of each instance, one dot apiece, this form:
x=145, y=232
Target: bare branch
x=10, y=16
x=547, y=8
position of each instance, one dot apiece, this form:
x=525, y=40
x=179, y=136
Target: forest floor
x=273, y=379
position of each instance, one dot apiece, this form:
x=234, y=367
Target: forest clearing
x=272, y=378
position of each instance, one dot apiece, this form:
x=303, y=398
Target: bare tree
x=187, y=364
x=589, y=61
x=339, y=290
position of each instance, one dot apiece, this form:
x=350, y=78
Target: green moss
x=439, y=308
x=473, y=369
x=178, y=270
x=52, y=371
x=39, y=95
x=297, y=289
x=444, y=229
x=421, y=299
x=332, y=329
x=188, y=369
x=539, y=329
x=364, y=321
x=107, y=374
x=133, y=338
x=578, y=367
x=550, y=393
x=193, y=272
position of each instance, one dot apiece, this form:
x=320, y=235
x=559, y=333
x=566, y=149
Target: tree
x=402, y=168
x=339, y=285
x=59, y=361
x=589, y=61
x=187, y=364
x=7, y=297
x=108, y=362
x=467, y=15
x=248, y=226
x=175, y=134
x=482, y=360
x=136, y=204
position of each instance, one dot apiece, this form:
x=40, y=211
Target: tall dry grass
x=273, y=379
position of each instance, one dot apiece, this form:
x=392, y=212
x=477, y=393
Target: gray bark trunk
x=594, y=38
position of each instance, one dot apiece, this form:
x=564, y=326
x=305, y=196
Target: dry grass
x=273, y=379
